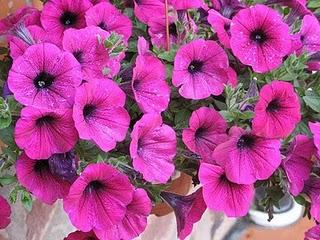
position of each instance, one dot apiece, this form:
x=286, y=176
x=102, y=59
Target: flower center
x=173, y=30
x=199, y=133
x=88, y=110
x=78, y=55
x=195, y=66
x=41, y=166
x=94, y=186
x=43, y=80
x=68, y=19
x=258, y=36
x=45, y=120
x=245, y=141
x=226, y=27
x=102, y=25
x=273, y=106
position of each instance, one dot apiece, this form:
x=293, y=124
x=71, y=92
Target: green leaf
x=5, y=114
x=26, y=200
x=7, y=180
x=300, y=199
x=314, y=4
x=169, y=56
x=312, y=99
x=181, y=118
x=275, y=193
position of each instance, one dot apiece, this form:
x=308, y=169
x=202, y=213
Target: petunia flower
x=278, y=110
x=246, y=157
x=153, y=147
x=188, y=210
x=85, y=45
x=45, y=77
x=298, y=163
x=109, y=18
x=201, y=68
x=36, y=177
x=78, y=235
x=23, y=37
x=220, y=194
x=315, y=129
x=97, y=200
x=5, y=212
x=149, y=85
x=186, y=4
x=309, y=34
x=312, y=189
x=41, y=133
x=26, y=16
x=145, y=10
x=313, y=233
x=207, y=129
x=259, y=38
x=59, y=15
x=221, y=26
x=64, y=165
x=99, y=113
x=134, y=222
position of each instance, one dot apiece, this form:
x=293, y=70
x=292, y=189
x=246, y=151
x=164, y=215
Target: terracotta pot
x=181, y=186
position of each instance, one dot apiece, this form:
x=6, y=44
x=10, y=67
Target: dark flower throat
x=258, y=36
x=43, y=80
x=68, y=19
x=245, y=141
x=195, y=66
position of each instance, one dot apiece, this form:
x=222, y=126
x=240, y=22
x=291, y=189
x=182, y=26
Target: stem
x=167, y=25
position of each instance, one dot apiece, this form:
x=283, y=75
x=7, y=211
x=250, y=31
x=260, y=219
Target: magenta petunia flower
x=309, y=34
x=315, y=129
x=221, y=25
x=149, y=85
x=207, y=129
x=247, y=157
x=97, y=200
x=36, y=177
x=298, y=163
x=134, y=222
x=41, y=133
x=86, y=47
x=5, y=212
x=312, y=189
x=24, y=16
x=220, y=194
x=200, y=69
x=152, y=148
x=259, y=38
x=188, y=210
x=298, y=8
x=24, y=37
x=78, y=235
x=278, y=110
x=109, y=18
x=145, y=10
x=313, y=233
x=45, y=77
x=59, y=15
x=186, y=4
x=99, y=113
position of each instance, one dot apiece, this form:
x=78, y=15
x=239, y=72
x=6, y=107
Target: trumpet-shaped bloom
x=145, y=10
x=247, y=157
x=298, y=163
x=5, y=212
x=220, y=194
x=149, y=86
x=152, y=148
x=201, y=68
x=221, y=25
x=59, y=15
x=310, y=34
x=45, y=77
x=312, y=189
x=98, y=199
x=99, y=113
x=207, y=129
x=85, y=45
x=134, y=221
x=259, y=38
x=109, y=18
x=315, y=129
x=41, y=133
x=36, y=177
x=278, y=110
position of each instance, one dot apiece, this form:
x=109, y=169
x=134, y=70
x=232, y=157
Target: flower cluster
x=104, y=102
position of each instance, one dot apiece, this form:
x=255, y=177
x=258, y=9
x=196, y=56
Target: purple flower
x=188, y=210
x=5, y=212
x=313, y=233
x=45, y=77
x=312, y=189
x=64, y=165
x=259, y=38
x=221, y=26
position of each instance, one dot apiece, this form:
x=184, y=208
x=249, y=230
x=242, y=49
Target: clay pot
x=181, y=186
